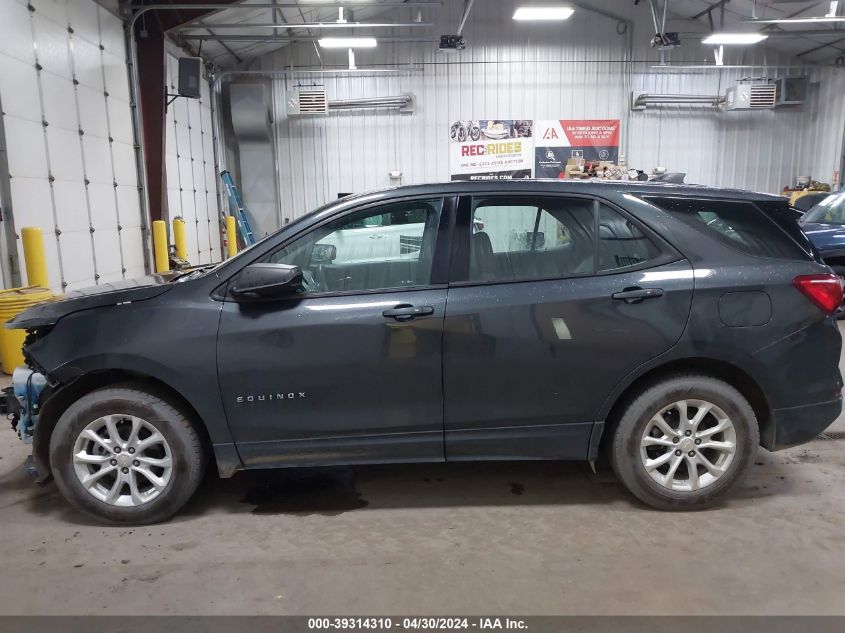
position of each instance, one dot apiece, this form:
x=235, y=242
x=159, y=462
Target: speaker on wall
x=190, y=75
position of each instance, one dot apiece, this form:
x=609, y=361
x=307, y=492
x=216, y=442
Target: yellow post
x=231, y=235
x=160, y=246
x=179, y=239
x=33, y=255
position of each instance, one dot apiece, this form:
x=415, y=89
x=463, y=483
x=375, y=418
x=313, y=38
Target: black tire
x=130, y=399
x=625, y=441
x=462, y=134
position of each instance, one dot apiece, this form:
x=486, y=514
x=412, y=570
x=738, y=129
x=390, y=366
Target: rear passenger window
x=738, y=224
x=621, y=242
x=515, y=239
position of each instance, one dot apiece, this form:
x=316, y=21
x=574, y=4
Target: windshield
x=831, y=210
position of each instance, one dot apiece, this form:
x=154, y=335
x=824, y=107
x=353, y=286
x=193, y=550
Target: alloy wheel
x=122, y=460
x=688, y=445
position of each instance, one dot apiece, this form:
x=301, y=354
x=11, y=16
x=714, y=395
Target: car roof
x=588, y=187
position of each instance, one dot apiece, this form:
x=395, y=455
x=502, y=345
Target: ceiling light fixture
x=548, y=13
x=347, y=42
x=729, y=39
x=827, y=19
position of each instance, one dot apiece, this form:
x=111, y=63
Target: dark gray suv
x=670, y=328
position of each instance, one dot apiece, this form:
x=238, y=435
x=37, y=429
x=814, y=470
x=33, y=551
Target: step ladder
x=236, y=208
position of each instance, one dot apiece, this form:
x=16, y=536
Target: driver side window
x=390, y=246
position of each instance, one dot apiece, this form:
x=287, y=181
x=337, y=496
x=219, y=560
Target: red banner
x=592, y=133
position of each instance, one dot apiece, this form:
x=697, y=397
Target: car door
x=350, y=369
x=552, y=301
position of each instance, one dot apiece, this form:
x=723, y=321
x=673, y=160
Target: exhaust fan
x=751, y=97
x=307, y=102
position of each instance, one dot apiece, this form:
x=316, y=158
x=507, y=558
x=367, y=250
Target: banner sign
x=491, y=149
x=567, y=141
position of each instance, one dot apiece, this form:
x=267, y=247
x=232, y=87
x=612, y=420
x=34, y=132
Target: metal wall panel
x=69, y=138
x=535, y=71
x=822, y=150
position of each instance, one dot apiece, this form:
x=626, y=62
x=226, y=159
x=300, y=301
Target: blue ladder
x=236, y=207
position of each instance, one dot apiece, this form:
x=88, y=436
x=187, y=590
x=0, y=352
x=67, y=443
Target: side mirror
x=266, y=281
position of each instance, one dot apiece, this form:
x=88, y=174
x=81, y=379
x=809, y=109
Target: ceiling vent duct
x=751, y=97
x=403, y=103
x=313, y=101
x=643, y=100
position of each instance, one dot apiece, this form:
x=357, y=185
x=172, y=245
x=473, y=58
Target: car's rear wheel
x=126, y=455
x=684, y=442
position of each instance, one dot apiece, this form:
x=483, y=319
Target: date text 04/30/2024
x=416, y=623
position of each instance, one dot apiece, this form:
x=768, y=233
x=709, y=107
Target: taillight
x=823, y=290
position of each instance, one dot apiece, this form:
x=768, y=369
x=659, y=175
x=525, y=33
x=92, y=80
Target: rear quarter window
x=738, y=224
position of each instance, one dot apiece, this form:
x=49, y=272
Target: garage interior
x=118, y=119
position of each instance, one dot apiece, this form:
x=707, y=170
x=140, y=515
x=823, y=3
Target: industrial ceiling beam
x=289, y=38
x=288, y=5
x=832, y=44
x=303, y=25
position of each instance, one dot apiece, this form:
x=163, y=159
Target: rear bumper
x=796, y=425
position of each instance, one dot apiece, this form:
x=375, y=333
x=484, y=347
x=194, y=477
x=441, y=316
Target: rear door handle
x=406, y=312
x=637, y=295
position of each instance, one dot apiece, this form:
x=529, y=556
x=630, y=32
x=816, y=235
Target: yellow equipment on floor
x=13, y=302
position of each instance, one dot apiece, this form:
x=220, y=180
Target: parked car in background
x=659, y=325
x=824, y=224
x=809, y=200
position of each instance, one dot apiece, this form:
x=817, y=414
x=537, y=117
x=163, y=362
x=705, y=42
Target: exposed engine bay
x=21, y=403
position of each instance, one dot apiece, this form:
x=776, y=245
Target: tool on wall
x=236, y=208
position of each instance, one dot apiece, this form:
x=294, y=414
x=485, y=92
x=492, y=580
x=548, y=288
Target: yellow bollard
x=231, y=235
x=160, y=246
x=33, y=255
x=179, y=239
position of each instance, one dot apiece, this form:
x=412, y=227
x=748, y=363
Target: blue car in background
x=824, y=224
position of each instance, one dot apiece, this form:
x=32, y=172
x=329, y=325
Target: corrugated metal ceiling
x=815, y=43
x=237, y=53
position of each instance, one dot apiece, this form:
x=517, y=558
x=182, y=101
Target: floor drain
x=832, y=435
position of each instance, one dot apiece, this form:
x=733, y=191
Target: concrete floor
x=529, y=539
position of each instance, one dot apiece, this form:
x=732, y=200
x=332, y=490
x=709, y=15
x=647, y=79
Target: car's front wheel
x=126, y=454
x=684, y=442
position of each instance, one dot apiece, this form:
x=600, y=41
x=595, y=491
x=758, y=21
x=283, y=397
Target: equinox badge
x=270, y=396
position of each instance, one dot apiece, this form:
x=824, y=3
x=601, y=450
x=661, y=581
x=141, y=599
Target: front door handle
x=637, y=294
x=406, y=312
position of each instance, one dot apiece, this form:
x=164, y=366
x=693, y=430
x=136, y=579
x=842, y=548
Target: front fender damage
x=22, y=403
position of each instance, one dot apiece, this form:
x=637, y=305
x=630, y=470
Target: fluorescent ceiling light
x=348, y=42
x=827, y=19
x=543, y=13
x=720, y=39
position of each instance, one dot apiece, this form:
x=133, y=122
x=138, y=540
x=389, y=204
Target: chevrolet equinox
x=672, y=329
